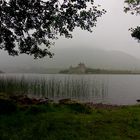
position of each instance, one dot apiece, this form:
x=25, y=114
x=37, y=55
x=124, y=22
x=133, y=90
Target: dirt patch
x=25, y=100
x=104, y=106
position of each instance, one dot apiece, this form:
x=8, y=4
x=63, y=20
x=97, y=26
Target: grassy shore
x=71, y=121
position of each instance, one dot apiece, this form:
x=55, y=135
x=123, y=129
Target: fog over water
x=109, y=46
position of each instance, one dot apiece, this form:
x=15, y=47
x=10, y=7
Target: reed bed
x=81, y=89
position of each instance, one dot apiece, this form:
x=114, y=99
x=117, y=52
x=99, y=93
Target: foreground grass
x=71, y=122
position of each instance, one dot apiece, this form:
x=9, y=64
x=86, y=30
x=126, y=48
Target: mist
x=110, y=45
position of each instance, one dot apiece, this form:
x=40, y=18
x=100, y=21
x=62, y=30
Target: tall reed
x=53, y=88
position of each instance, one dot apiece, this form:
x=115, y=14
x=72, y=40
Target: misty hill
x=64, y=57
x=96, y=58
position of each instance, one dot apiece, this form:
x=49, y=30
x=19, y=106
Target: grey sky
x=110, y=34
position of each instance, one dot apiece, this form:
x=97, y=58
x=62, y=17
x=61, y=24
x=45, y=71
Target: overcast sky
x=111, y=33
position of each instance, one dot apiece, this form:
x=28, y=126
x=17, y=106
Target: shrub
x=7, y=106
x=80, y=108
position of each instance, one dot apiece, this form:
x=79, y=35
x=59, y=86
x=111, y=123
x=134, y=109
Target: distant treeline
x=104, y=71
x=100, y=71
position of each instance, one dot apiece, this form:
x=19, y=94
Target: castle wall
x=81, y=68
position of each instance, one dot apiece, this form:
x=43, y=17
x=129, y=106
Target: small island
x=81, y=68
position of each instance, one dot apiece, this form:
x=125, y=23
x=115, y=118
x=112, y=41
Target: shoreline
x=24, y=100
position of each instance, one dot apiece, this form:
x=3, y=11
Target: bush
x=80, y=108
x=36, y=109
x=7, y=106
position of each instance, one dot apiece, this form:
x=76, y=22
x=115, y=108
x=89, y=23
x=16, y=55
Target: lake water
x=109, y=89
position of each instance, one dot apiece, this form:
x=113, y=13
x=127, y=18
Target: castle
x=81, y=68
